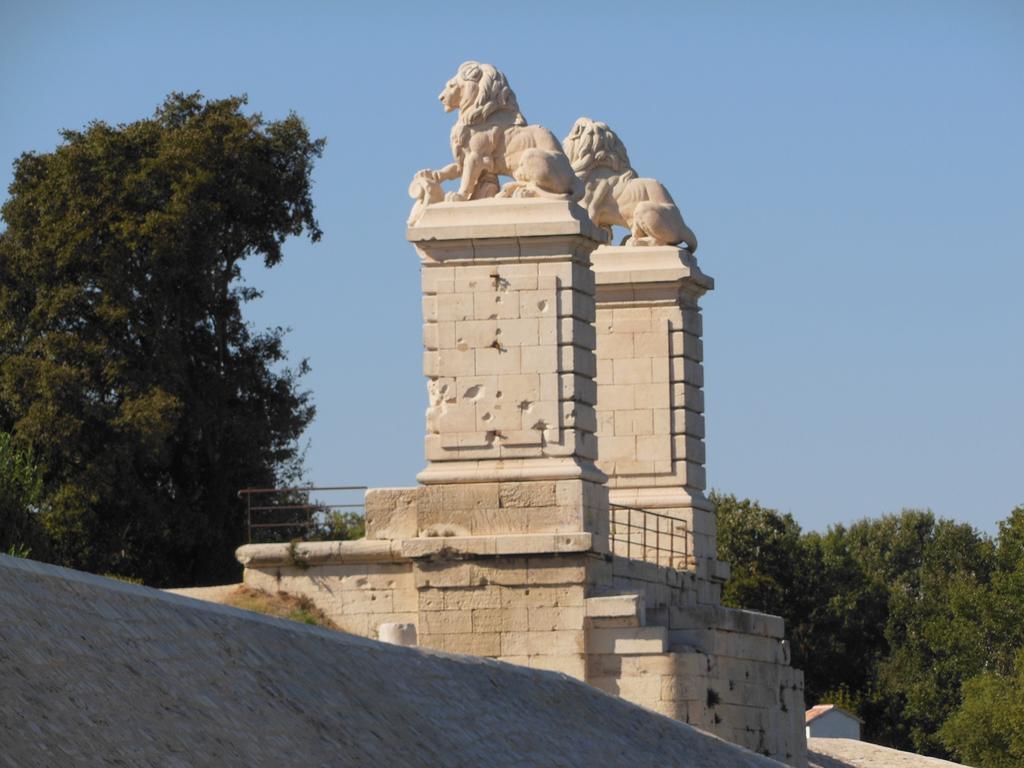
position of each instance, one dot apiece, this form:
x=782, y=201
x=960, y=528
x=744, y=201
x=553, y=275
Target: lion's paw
x=515, y=189
x=526, y=191
x=454, y=197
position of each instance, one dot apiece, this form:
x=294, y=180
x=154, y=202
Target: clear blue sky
x=854, y=171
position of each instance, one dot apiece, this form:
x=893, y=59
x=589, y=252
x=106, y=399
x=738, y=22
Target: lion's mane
x=592, y=144
x=492, y=94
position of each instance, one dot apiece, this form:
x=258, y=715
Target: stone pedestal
x=508, y=309
x=650, y=389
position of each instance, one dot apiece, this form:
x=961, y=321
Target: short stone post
x=396, y=633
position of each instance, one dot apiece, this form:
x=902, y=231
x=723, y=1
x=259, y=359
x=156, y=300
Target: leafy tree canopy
x=126, y=367
x=913, y=622
x=987, y=729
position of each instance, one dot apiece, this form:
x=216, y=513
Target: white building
x=830, y=722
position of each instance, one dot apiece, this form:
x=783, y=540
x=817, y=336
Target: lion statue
x=490, y=139
x=614, y=195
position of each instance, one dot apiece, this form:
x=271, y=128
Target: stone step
x=627, y=610
x=628, y=640
x=734, y=645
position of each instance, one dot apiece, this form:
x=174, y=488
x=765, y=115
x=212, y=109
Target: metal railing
x=286, y=514
x=639, y=534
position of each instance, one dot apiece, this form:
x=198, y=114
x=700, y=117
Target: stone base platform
x=522, y=572
x=489, y=509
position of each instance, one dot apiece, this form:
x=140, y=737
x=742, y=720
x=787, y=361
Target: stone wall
x=525, y=606
x=647, y=633
x=357, y=597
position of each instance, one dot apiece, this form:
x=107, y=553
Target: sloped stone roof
x=850, y=753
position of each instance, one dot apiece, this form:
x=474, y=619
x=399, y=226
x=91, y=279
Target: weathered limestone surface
x=518, y=597
x=480, y=509
x=508, y=306
x=650, y=394
x=96, y=672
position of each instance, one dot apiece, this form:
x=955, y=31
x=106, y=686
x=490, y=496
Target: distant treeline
x=914, y=623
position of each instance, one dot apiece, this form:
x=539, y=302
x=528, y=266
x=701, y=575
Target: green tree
x=126, y=366
x=20, y=495
x=987, y=730
x=889, y=616
x=764, y=550
x=842, y=636
x=935, y=629
x=1003, y=608
x=342, y=526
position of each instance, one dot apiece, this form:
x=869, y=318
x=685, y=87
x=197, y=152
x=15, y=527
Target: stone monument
x=560, y=522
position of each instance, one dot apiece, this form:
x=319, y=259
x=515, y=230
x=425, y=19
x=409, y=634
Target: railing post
x=630, y=534
x=671, y=541
x=643, y=538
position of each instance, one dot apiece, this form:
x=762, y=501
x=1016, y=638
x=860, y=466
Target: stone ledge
x=726, y=619
x=405, y=550
x=630, y=606
x=734, y=645
x=510, y=470
x=517, y=544
x=655, y=499
x=639, y=265
x=503, y=218
x=628, y=640
x=321, y=552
